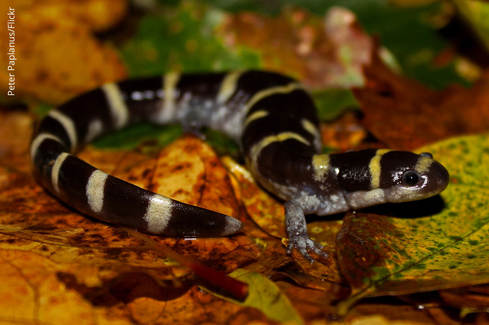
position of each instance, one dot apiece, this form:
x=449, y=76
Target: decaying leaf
x=68, y=265
x=57, y=265
x=344, y=133
x=265, y=210
x=189, y=171
x=267, y=297
x=193, y=169
x=469, y=300
x=38, y=290
x=427, y=245
x=268, y=214
x=184, y=38
x=97, y=15
x=57, y=54
x=320, y=54
x=33, y=291
x=404, y=114
x=13, y=148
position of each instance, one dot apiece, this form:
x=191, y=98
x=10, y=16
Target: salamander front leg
x=295, y=221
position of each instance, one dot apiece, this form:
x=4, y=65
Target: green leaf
x=405, y=31
x=41, y=109
x=160, y=136
x=267, y=297
x=408, y=34
x=183, y=38
x=332, y=102
x=134, y=135
x=427, y=245
x=222, y=144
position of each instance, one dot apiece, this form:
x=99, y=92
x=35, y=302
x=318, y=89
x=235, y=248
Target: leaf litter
x=114, y=276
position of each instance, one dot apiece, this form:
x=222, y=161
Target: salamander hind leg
x=296, y=227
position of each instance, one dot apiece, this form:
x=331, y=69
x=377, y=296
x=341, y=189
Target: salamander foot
x=304, y=244
x=297, y=232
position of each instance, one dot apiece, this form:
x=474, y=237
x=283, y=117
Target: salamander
x=273, y=119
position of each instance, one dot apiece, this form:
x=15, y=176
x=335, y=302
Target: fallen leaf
x=14, y=148
x=98, y=15
x=32, y=292
x=332, y=102
x=409, y=34
x=432, y=244
x=468, y=300
x=344, y=133
x=267, y=297
x=194, y=306
x=387, y=312
x=319, y=53
x=405, y=114
x=412, y=36
x=183, y=37
x=69, y=265
x=266, y=211
x=188, y=170
x=148, y=136
x=268, y=214
x=60, y=56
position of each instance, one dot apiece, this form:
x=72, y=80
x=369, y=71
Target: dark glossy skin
x=272, y=118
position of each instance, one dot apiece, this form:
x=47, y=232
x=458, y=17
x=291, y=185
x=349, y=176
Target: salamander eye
x=410, y=178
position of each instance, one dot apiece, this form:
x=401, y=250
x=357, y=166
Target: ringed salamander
x=273, y=119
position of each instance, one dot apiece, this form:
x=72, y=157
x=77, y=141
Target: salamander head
x=375, y=176
x=406, y=176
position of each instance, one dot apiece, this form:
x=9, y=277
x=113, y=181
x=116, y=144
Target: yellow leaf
x=267, y=297
x=438, y=243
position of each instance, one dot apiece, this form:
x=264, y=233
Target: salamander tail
x=192, y=221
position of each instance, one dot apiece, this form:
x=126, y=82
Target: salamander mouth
x=398, y=194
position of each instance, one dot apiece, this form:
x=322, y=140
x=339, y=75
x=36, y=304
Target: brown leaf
x=355, y=256
x=343, y=133
x=14, y=148
x=32, y=292
x=61, y=265
x=312, y=304
x=476, y=297
x=193, y=168
x=188, y=170
x=298, y=43
x=405, y=114
x=194, y=306
x=268, y=213
x=38, y=290
x=387, y=312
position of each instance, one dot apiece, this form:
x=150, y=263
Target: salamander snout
x=421, y=177
x=438, y=178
